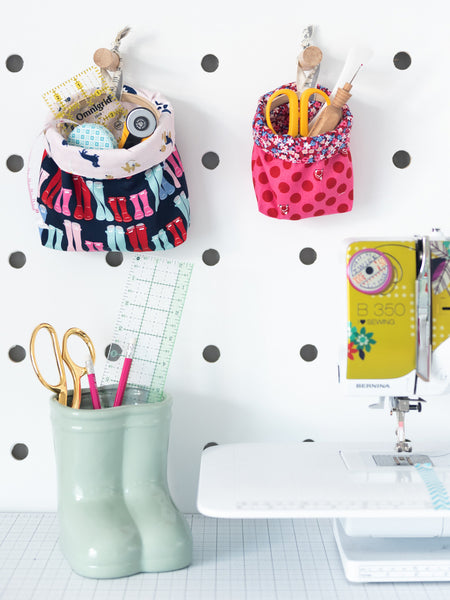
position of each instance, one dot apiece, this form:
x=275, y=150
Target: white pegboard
x=259, y=305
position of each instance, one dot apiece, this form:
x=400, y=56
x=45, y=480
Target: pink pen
x=124, y=375
x=92, y=383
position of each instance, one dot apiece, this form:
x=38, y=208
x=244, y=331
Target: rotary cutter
x=140, y=123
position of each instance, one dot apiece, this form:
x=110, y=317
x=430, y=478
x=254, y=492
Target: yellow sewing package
x=382, y=306
x=381, y=309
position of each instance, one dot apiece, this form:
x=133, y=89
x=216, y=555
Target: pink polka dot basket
x=299, y=177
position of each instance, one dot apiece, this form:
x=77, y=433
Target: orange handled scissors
x=62, y=356
x=298, y=109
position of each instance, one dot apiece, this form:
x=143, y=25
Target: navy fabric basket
x=132, y=199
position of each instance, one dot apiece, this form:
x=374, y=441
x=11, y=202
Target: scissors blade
x=423, y=311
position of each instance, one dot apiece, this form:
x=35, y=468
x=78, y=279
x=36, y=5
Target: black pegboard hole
x=14, y=163
x=211, y=354
x=14, y=63
x=210, y=63
x=113, y=352
x=209, y=445
x=308, y=256
x=401, y=159
x=308, y=352
x=402, y=60
x=17, y=354
x=210, y=160
x=114, y=259
x=19, y=451
x=17, y=260
x=210, y=257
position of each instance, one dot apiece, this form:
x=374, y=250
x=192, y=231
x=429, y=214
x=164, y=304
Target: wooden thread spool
x=309, y=58
x=308, y=62
x=107, y=59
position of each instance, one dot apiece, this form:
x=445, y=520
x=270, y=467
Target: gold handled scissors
x=298, y=109
x=62, y=356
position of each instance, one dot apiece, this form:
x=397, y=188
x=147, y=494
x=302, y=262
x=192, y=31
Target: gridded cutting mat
x=276, y=559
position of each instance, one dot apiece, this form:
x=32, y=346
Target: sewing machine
x=390, y=505
x=398, y=307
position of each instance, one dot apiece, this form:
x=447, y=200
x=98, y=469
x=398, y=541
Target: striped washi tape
x=434, y=485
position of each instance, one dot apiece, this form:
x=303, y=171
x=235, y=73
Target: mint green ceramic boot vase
x=97, y=534
x=115, y=512
x=165, y=534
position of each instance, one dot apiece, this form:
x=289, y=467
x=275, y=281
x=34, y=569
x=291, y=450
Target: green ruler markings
x=150, y=314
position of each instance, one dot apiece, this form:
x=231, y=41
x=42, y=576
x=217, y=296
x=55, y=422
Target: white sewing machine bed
x=391, y=511
x=316, y=480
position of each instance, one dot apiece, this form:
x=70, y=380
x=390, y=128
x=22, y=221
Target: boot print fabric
x=301, y=177
x=124, y=200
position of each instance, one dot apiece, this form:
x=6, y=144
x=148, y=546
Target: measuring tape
x=149, y=314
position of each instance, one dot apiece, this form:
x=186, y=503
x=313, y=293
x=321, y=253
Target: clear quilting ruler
x=149, y=315
x=86, y=97
x=75, y=89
